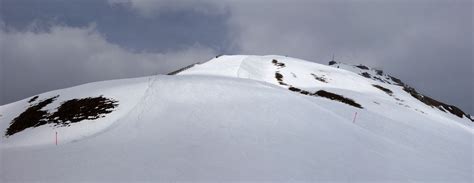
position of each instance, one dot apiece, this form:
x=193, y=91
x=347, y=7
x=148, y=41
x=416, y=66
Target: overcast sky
x=52, y=44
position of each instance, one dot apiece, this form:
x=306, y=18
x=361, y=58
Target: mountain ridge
x=367, y=72
x=236, y=118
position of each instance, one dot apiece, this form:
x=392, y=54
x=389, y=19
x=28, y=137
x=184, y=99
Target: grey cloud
x=35, y=62
x=172, y=26
x=428, y=44
x=150, y=8
x=50, y=44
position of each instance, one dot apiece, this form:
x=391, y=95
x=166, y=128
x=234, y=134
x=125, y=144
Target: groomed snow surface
x=230, y=119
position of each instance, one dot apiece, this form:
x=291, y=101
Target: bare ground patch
x=363, y=67
x=319, y=78
x=75, y=110
x=33, y=116
x=278, y=64
x=437, y=104
x=33, y=99
x=71, y=111
x=337, y=97
x=386, y=90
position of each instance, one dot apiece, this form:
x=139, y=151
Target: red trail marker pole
x=355, y=115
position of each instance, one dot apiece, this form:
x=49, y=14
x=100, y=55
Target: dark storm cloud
x=428, y=44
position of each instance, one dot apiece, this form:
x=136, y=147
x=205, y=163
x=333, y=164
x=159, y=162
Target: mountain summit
x=322, y=81
x=238, y=118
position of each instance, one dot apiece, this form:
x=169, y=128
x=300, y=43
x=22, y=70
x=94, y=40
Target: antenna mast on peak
x=332, y=62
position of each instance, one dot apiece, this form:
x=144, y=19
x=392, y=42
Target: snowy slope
x=231, y=119
x=340, y=78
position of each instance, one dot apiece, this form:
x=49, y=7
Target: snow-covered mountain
x=238, y=118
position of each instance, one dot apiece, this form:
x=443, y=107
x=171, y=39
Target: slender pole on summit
x=332, y=57
x=355, y=115
x=56, y=138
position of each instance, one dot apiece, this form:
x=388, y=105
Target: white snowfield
x=230, y=119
